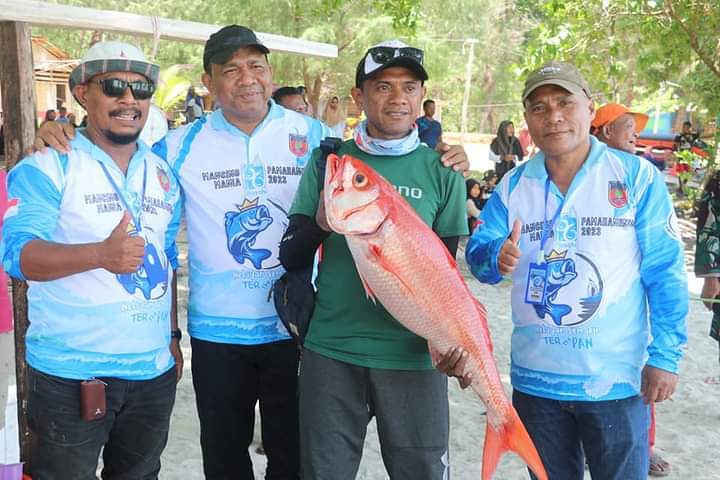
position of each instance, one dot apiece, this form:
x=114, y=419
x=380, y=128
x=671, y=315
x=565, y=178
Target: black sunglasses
x=383, y=55
x=116, y=88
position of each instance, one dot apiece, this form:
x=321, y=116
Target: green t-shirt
x=345, y=324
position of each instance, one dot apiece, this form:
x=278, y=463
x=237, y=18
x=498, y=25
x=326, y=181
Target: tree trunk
x=18, y=102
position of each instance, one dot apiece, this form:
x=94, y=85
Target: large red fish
x=404, y=264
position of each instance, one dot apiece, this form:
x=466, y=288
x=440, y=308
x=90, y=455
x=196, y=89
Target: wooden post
x=18, y=102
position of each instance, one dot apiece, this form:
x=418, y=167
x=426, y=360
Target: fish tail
x=512, y=436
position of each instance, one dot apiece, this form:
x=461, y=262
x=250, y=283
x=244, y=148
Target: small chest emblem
x=298, y=144
x=617, y=194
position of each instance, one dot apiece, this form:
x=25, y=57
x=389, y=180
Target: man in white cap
x=358, y=361
x=93, y=232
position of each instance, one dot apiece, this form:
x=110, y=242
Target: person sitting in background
x=193, y=105
x=505, y=149
x=334, y=116
x=62, y=115
x=290, y=98
x=50, y=115
x=490, y=180
x=686, y=139
x=309, y=111
x=474, y=202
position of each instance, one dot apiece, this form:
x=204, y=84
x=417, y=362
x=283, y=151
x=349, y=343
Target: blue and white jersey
x=615, y=276
x=96, y=323
x=238, y=190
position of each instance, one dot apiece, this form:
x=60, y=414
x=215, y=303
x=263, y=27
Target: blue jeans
x=133, y=432
x=613, y=435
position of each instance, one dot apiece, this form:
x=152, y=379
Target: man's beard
x=121, y=139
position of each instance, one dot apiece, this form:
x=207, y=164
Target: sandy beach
x=688, y=426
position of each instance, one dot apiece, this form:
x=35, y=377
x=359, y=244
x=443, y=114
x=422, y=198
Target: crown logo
x=247, y=204
x=555, y=255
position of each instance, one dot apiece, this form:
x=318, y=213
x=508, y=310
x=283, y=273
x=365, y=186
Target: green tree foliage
x=662, y=53
x=172, y=89
x=623, y=45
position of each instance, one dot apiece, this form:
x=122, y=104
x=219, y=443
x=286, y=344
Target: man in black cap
x=358, y=362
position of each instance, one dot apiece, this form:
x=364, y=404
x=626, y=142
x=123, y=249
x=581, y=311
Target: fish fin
x=384, y=262
x=368, y=291
x=511, y=437
x=435, y=355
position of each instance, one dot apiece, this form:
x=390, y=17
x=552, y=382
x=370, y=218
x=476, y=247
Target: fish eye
x=360, y=180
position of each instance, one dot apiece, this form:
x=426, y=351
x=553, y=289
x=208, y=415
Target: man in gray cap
x=93, y=232
x=589, y=237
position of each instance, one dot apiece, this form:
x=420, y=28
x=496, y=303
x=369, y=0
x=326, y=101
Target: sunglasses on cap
x=382, y=55
x=116, y=88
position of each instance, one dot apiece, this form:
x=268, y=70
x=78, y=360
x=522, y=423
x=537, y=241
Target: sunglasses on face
x=382, y=55
x=116, y=88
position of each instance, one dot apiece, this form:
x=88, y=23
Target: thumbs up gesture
x=122, y=253
x=510, y=251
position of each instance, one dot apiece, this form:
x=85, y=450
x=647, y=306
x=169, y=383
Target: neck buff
x=377, y=146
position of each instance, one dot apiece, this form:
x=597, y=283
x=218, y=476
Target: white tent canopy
x=65, y=16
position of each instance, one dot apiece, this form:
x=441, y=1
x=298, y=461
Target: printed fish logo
x=560, y=272
x=152, y=272
x=242, y=229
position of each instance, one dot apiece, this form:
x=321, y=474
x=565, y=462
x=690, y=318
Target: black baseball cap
x=392, y=53
x=225, y=42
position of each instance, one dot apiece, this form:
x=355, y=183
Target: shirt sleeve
x=662, y=270
x=35, y=193
x=451, y=219
x=486, y=241
x=171, y=250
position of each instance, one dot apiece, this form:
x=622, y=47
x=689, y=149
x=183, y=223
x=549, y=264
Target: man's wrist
x=176, y=334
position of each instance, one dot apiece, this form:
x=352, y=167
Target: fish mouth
x=354, y=210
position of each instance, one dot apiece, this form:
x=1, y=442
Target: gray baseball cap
x=561, y=74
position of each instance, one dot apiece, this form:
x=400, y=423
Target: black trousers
x=134, y=431
x=229, y=380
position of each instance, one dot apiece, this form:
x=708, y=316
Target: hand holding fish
x=510, y=251
x=453, y=364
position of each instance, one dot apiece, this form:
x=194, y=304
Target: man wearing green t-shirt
x=358, y=361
